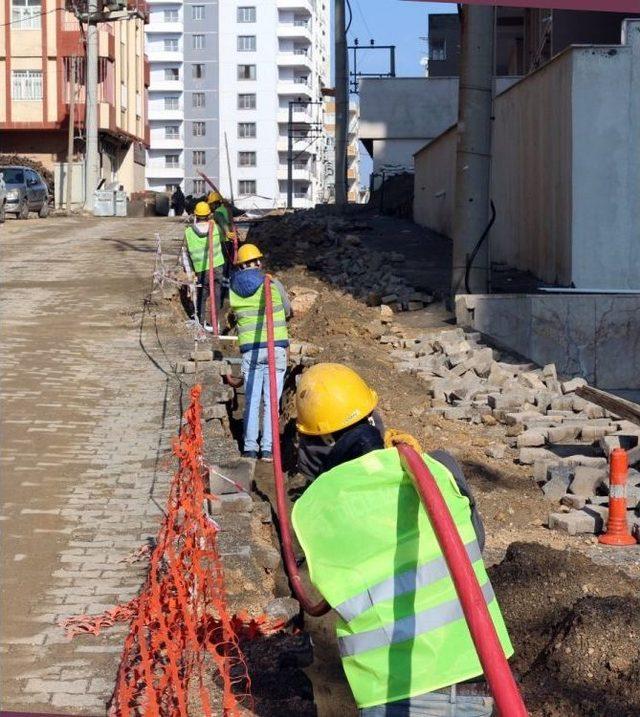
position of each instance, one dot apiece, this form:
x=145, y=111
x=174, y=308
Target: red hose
x=494, y=663
x=314, y=609
x=212, y=292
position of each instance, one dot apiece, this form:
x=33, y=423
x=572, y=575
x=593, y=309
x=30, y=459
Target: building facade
x=353, y=149
x=39, y=45
x=222, y=78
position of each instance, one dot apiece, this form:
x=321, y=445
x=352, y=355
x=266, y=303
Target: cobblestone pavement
x=85, y=432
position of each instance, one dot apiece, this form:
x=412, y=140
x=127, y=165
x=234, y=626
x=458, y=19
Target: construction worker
x=221, y=212
x=197, y=237
x=248, y=305
x=374, y=557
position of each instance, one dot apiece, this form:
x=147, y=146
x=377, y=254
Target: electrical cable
x=346, y=30
x=476, y=249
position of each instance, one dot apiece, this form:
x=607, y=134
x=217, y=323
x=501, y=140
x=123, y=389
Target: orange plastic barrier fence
x=182, y=637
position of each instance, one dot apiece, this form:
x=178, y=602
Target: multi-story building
x=353, y=151
x=37, y=44
x=222, y=78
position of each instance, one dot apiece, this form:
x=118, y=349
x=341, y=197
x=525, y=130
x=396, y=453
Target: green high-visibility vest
x=198, y=247
x=374, y=557
x=250, y=315
x=223, y=215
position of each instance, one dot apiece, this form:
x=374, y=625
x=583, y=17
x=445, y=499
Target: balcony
x=294, y=59
x=295, y=30
x=164, y=27
x=162, y=55
x=295, y=87
x=300, y=145
x=304, y=5
x=166, y=85
x=159, y=113
x=299, y=174
x=298, y=117
x=161, y=172
x=164, y=143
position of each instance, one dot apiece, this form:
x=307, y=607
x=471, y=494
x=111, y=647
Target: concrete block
x=457, y=413
x=506, y=401
x=572, y=385
x=283, y=609
x=549, y=371
x=590, y=433
x=498, y=375
x=530, y=379
x=562, y=434
x=217, y=410
x=497, y=451
x=562, y=403
x=236, y=503
x=573, y=501
x=586, y=520
x=201, y=354
x=588, y=481
x=185, y=367
x=531, y=438
x=555, y=488
x=540, y=470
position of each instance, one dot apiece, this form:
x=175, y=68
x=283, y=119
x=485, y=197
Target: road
x=82, y=430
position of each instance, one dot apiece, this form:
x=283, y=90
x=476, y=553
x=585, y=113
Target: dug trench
x=574, y=623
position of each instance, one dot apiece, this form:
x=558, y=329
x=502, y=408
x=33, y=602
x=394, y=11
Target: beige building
x=38, y=40
x=353, y=155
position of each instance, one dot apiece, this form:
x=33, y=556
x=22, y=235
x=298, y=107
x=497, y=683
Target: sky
x=391, y=22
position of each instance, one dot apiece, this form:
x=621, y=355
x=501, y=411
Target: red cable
x=494, y=663
x=212, y=293
x=314, y=609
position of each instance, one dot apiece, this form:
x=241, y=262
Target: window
x=198, y=71
x=246, y=72
x=247, y=102
x=246, y=159
x=246, y=43
x=198, y=42
x=198, y=187
x=246, y=14
x=26, y=85
x=301, y=80
x=171, y=74
x=199, y=129
x=171, y=103
x=198, y=99
x=437, y=49
x=171, y=16
x=247, y=186
x=172, y=131
x=25, y=14
x=199, y=157
x=197, y=12
x=171, y=160
x=246, y=129
x=171, y=44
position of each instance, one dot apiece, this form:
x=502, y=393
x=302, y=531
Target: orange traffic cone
x=617, y=528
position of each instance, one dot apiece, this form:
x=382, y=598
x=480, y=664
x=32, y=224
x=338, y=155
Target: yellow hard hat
x=247, y=253
x=330, y=397
x=202, y=209
x=214, y=197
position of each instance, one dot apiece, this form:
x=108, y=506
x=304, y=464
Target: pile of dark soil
x=575, y=627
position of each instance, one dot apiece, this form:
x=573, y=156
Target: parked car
x=3, y=198
x=26, y=192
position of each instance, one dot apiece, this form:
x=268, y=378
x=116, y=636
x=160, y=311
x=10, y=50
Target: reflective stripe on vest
x=250, y=313
x=408, y=627
x=401, y=584
x=198, y=248
x=373, y=555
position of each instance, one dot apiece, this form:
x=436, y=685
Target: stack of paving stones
x=565, y=439
x=328, y=247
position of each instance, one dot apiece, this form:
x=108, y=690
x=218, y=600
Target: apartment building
x=353, y=148
x=222, y=78
x=37, y=44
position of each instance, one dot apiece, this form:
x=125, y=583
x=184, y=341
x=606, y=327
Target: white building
x=222, y=77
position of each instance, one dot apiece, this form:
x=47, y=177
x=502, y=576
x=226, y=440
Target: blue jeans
x=441, y=703
x=255, y=370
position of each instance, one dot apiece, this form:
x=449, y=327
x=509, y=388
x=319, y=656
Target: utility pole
x=473, y=157
x=342, y=102
x=92, y=164
x=290, y=158
x=72, y=112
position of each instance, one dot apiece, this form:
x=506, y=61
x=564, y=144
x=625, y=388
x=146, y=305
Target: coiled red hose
x=492, y=658
x=316, y=609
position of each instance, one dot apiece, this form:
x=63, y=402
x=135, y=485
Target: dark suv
x=26, y=192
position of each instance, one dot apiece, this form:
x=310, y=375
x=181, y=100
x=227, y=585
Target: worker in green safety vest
x=221, y=212
x=197, y=238
x=247, y=299
x=373, y=555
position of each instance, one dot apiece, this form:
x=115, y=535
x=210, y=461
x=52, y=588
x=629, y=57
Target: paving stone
x=587, y=520
x=572, y=385
x=531, y=439
x=283, y=608
x=594, y=433
x=201, y=354
x=588, y=481
x=556, y=487
x=497, y=450
x=562, y=434
x=185, y=367
x=573, y=501
x=562, y=403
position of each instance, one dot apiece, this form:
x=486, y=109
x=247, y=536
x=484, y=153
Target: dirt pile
x=575, y=627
